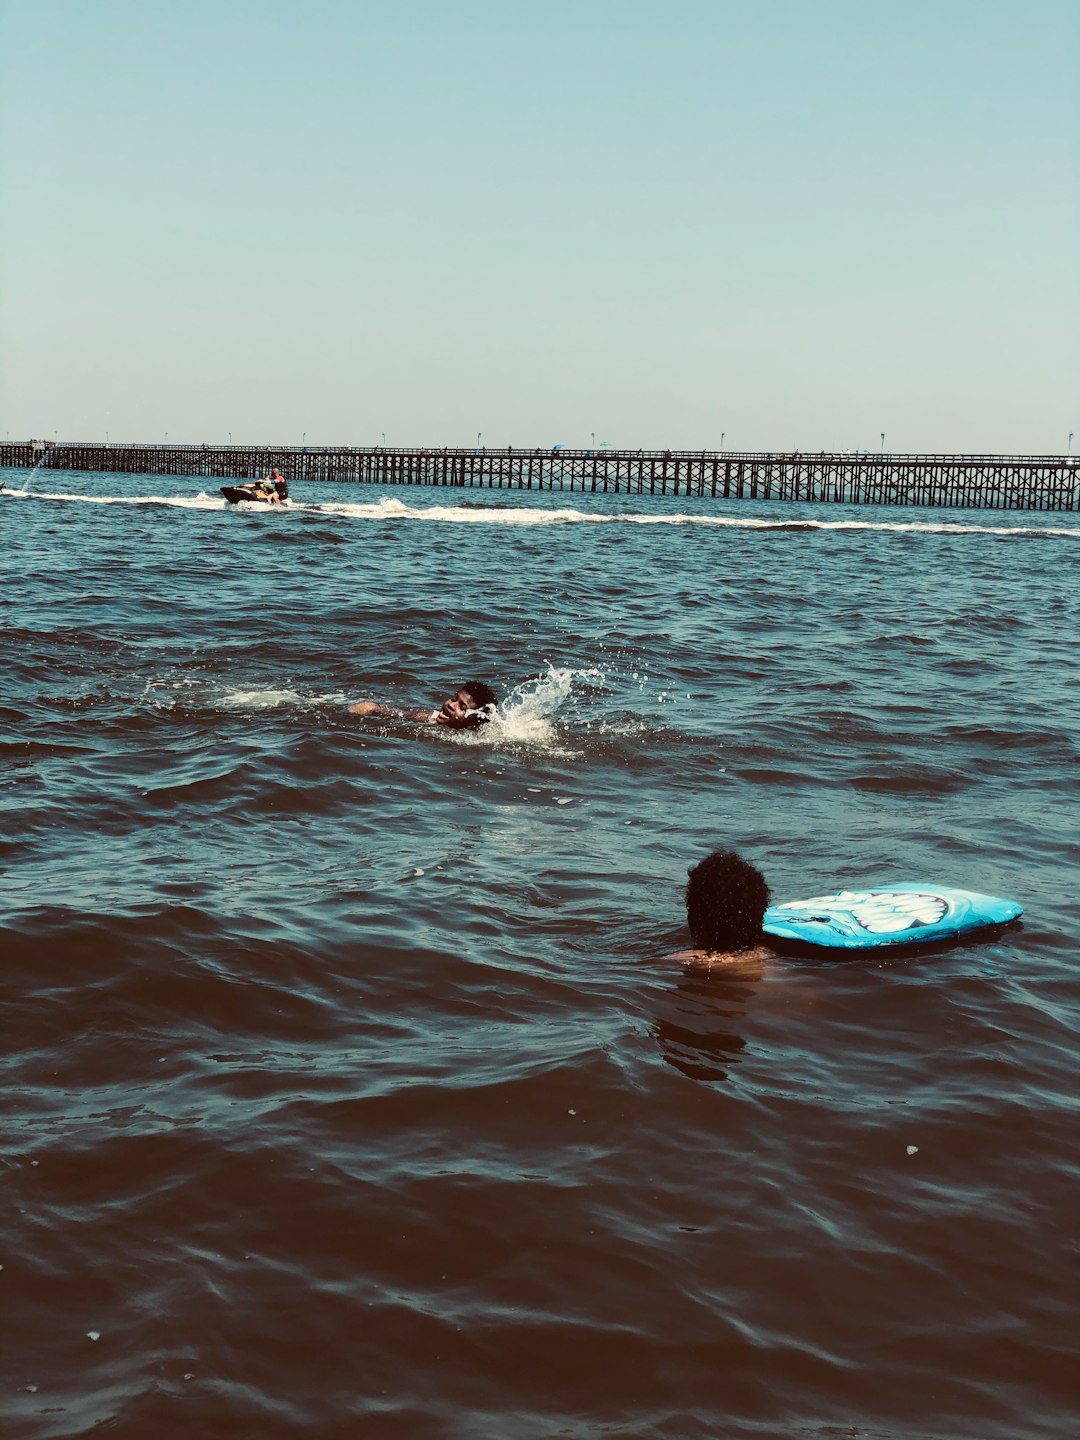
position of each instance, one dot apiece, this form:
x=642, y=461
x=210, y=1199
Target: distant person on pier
x=472, y=706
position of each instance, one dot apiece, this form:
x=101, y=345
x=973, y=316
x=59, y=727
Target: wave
x=472, y=512
x=201, y=501
x=269, y=699
x=202, y=696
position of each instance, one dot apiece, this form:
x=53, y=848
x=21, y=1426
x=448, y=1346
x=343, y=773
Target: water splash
x=29, y=480
x=528, y=714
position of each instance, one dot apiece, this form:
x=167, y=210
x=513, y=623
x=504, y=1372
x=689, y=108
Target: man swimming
x=472, y=706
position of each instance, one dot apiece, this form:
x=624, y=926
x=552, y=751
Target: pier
x=984, y=482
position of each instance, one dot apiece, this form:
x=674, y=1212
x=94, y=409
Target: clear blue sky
x=796, y=223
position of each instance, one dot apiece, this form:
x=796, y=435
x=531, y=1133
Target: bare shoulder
x=720, y=960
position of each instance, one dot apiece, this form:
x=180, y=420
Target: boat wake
x=470, y=512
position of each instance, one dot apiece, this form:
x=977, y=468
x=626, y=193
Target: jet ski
x=234, y=494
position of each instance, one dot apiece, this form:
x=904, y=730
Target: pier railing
x=991, y=482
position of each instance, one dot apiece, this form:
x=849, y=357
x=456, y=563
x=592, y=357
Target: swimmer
x=472, y=706
x=726, y=900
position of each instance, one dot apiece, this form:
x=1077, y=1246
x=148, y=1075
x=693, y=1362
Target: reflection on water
x=699, y=1023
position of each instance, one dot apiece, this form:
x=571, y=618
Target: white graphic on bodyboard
x=879, y=912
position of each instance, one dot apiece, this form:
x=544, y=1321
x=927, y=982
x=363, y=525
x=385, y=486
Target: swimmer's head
x=471, y=707
x=726, y=900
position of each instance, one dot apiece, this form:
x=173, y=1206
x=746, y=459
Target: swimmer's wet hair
x=482, y=693
x=726, y=900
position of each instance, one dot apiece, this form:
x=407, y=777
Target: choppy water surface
x=349, y=1089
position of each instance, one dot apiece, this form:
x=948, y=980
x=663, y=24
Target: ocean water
x=350, y=1088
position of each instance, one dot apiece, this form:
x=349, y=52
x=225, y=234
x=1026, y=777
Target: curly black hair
x=480, y=691
x=726, y=900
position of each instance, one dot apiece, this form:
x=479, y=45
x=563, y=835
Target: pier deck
x=987, y=482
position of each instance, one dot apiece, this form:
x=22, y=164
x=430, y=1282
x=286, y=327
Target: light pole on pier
x=883, y=442
x=384, y=439
x=478, y=435
x=722, y=434
x=1071, y=434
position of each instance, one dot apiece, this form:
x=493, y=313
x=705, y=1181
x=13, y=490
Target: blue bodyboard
x=913, y=914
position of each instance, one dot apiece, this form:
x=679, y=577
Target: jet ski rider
x=274, y=488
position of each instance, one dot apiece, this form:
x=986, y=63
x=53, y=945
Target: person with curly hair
x=726, y=900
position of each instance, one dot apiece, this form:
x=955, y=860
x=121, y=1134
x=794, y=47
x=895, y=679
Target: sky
x=686, y=224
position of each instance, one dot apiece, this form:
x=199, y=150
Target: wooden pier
x=984, y=482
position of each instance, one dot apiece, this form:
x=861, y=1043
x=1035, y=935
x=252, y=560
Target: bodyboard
x=908, y=914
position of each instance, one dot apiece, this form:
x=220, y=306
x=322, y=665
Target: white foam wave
x=470, y=513
x=193, y=690
x=185, y=502
x=393, y=509
x=260, y=699
x=269, y=699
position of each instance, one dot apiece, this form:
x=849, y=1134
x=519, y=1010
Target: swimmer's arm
x=371, y=707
